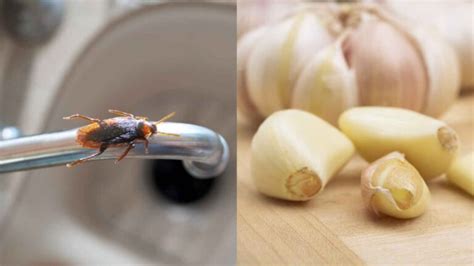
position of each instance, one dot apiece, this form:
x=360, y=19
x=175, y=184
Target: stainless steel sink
x=163, y=58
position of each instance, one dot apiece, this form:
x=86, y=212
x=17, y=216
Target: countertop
x=336, y=228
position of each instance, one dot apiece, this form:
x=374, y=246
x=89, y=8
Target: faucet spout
x=205, y=154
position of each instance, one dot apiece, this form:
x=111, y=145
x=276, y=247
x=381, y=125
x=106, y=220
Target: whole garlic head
x=373, y=59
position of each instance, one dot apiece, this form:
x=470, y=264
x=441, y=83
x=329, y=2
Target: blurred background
x=146, y=57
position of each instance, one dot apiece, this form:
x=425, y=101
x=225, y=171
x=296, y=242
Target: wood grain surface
x=336, y=228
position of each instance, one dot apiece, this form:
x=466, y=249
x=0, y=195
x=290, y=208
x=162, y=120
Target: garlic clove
x=245, y=106
x=326, y=86
x=276, y=60
x=458, y=25
x=452, y=19
x=429, y=144
x=388, y=69
x=294, y=154
x=443, y=71
x=461, y=173
x=392, y=186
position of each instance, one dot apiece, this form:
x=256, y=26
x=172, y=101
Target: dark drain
x=169, y=179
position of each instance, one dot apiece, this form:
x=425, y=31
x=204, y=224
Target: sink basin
x=174, y=57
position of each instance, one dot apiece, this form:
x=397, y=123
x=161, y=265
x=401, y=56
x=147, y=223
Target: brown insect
x=126, y=129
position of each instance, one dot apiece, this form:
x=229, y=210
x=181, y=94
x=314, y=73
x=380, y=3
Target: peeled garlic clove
x=443, y=71
x=461, y=173
x=429, y=144
x=295, y=154
x=277, y=59
x=245, y=106
x=389, y=71
x=326, y=86
x=392, y=186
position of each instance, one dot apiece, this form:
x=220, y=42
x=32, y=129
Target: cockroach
x=124, y=130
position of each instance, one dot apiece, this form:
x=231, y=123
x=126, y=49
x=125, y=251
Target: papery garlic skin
x=461, y=172
x=326, y=86
x=451, y=19
x=443, y=71
x=392, y=186
x=389, y=71
x=294, y=154
x=429, y=144
x=276, y=61
x=255, y=13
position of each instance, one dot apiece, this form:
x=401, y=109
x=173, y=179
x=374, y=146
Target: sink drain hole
x=169, y=179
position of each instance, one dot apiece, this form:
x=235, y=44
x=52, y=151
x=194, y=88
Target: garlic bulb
x=344, y=55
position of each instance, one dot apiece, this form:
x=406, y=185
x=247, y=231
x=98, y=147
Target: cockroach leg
x=103, y=147
x=130, y=146
x=146, y=145
x=82, y=117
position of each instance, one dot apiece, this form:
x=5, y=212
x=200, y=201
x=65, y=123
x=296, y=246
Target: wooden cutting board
x=336, y=228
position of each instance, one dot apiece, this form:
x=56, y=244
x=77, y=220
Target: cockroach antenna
x=165, y=118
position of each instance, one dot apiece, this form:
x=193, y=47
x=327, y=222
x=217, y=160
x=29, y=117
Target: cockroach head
x=147, y=128
x=152, y=126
